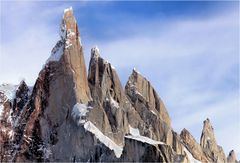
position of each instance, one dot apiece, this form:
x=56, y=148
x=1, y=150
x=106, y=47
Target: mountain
x=71, y=115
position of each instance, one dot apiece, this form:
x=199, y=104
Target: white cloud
x=29, y=36
x=213, y=37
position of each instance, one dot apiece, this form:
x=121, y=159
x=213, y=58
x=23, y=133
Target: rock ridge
x=71, y=115
x=208, y=142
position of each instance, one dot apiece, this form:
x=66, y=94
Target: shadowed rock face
x=11, y=109
x=136, y=151
x=21, y=99
x=5, y=133
x=208, y=142
x=69, y=116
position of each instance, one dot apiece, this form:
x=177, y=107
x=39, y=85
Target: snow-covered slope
x=135, y=134
x=79, y=112
x=8, y=90
x=190, y=156
x=89, y=126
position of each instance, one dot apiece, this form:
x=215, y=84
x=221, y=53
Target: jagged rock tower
x=71, y=116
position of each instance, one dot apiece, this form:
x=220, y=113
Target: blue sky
x=188, y=50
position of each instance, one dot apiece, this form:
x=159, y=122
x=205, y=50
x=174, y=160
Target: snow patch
x=79, y=113
x=138, y=93
x=135, y=70
x=106, y=62
x=95, y=53
x=134, y=131
x=68, y=43
x=114, y=103
x=46, y=151
x=68, y=9
x=9, y=90
x=144, y=139
x=135, y=134
x=153, y=112
x=104, y=139
x=27, y=139
x=112, y=66
x=11, y=134
x=70, y=33
x=80, y=41
x=10, y=118
x=1, y=110
x=190, y=156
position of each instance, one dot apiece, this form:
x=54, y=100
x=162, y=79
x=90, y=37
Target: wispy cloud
x=27, y=37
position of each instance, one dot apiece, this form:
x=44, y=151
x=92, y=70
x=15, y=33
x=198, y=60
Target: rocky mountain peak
x=208, y=142
x=100, y=69
x=65, y=74
x=191, y=144
x=135, y=72
x=22, y=88
x=107, y=92
x=73, y=63
x=61, y=85
x=149, y=106
x=69, y=116
x=139, y=87
x=68, y=27
x=22, y=95
x=232, y=157
x=207, y=123
x=95, y=53
x=207, y=133
x=185, y=134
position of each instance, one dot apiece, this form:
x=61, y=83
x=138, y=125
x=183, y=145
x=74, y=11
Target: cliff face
x=192, y=145
x=71, y=116
x=232, y=157
x=150, y=107
x=108, y=97
x=209, y=144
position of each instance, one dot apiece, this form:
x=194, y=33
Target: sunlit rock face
x=150, y=107
x=192, y=145
x=232, y=157
x=208, y=142
x=69, y=115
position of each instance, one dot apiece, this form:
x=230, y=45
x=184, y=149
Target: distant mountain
x=71, y=115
